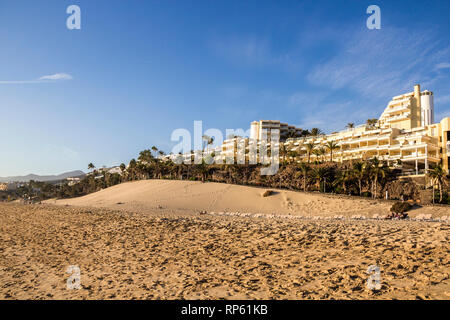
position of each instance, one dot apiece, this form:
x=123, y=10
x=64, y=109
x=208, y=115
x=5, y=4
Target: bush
x=400, y=207
x=267, y=193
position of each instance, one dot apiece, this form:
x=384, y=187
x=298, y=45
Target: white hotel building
x=405, y=136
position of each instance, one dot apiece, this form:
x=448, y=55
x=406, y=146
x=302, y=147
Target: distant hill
x=62, y=176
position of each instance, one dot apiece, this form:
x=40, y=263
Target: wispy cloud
x=320, y=109
x=57, y=76
x=251, y=51
x=443, y=65
x=386, y=61
x=44, y=79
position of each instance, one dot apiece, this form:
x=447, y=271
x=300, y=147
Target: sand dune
x=191, y=197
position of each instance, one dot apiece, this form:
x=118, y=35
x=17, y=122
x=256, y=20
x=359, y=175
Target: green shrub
x=401, y=207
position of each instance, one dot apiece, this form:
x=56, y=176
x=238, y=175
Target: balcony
x=400, y=117
x=403, y=107
x=394, y=102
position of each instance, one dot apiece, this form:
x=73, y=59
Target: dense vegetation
x=369, y=179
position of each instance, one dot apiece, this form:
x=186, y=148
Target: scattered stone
x=267, y=193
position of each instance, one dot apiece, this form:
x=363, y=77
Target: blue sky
x=137, y=70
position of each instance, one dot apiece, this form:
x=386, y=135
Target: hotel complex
x=405, y=136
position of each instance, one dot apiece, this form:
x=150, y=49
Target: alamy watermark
x=374, y=21
x=374, y=280
x=238, y=148
x=74, y=20
x=74, y=280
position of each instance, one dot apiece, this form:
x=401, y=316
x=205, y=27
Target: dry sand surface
x=191, y=197
x=166, y=255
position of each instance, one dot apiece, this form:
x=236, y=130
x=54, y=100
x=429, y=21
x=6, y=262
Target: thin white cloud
x=387, y=62
x=44, y=79
x=443, y=65
x=57, y=76
x=251, y=51
x=19, y=81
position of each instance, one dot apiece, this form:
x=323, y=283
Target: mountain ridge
x=43, y=178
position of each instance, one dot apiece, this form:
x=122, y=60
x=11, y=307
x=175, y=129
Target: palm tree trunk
x=440, y=192
x=432, y=190
x=360, y=188
x=376, y=184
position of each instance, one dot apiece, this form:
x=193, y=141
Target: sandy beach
x=164, y=254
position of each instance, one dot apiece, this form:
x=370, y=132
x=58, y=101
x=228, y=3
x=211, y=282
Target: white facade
x=427, y=108
x=263, y=129
x=254, y=130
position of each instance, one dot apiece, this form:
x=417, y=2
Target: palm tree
x=371, y=123
x=320, y=173
x=350, y=125
x=305, y=169
x=317, y=153
x=283, y=151
x=206, y=140
x=315, y=132
x=309, y=149
x=292, y=155
x=145, y=156
x=322, y=153
x=359, y=171
x=437, y=175
x=210, y=141
x=204, y=170
x=293, y=134
x=91, y=166
x=132, y=168
x=155, y=149
x=343, y=177
x=377, y=170
x=331, y=145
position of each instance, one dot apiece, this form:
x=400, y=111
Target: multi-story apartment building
x=261, y=130
x=405, y=135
